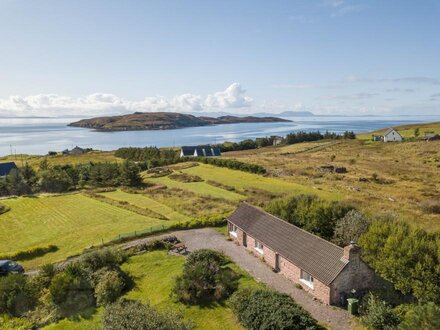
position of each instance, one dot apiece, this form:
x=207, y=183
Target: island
x=164, y=121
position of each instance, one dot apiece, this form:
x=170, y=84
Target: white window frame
x=233, y=230
x=306, y=278
x=259, y=247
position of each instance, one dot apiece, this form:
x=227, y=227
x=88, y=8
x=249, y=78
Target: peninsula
x=163, y=121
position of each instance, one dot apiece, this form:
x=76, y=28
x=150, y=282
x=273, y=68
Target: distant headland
x=164, y=121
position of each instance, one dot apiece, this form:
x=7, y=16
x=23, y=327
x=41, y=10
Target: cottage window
x=233, y=230
x=306, y=278
x=259, y=247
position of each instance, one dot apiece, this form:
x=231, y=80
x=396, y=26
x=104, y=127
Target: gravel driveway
x=194, y=239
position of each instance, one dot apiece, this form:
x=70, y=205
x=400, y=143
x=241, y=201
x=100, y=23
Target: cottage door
x=277, y=261
x=244, y=239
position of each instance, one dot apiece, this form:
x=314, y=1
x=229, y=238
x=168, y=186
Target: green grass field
x=141, y=200
x=243, y=180
x=34, y=160
x=154, y=275
x=71, y=222
x=201, y=188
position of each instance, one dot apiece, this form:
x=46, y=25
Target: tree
x=406, y=256
x=44, y=164
x=264, y=309
x=422, y=317
x=205, y=278
x=16, y=185
x=16, y=296
x=417, y=132
x=130, y=176
x=310, y=213
x=379, y=315
x=350, y=228
x=55, y=180
x=29, y=175
x=133, y=315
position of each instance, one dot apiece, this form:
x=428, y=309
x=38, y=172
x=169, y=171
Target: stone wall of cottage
x=286, y=268
x=356, y=275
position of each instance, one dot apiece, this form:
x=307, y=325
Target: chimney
x=352, y=252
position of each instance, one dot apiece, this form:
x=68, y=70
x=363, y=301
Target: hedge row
x=30, y=253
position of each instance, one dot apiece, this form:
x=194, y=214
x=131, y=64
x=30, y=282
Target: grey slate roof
x=5, y=168
x=389, y=130
x=318, y=257
x=202, y=151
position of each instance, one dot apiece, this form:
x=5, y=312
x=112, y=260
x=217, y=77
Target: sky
x=96, y=57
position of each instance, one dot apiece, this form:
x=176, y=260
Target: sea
x=37, y=136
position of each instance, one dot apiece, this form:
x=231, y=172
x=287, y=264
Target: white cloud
x=102, y=103
x=232, y=97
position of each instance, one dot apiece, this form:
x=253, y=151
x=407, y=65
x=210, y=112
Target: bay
x=40, y=135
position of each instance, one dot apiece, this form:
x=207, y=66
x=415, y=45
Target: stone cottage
x=325, y=270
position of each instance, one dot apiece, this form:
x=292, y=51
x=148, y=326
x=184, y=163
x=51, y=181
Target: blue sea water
x=39, y=135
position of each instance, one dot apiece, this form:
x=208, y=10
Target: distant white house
x=391, y=135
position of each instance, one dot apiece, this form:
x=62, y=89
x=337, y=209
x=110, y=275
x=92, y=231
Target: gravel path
x=194, y=239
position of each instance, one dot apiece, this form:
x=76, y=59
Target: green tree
x=109, y=287
x=422, y=317
x=130, y=176
x=350, y=228
x=417, y=132
x=16, y=296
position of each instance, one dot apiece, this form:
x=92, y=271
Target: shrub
x=71, y=293
x=422, y=317
x=430, y=206
x=109, y=287
x=31, y=253
x=16, y=295
x=350, y=228
x=133, y=315
x=205, y=278
x=264, y=309
x=378, y=314
x=185, y=177
x=4, y=208
x=109, y=258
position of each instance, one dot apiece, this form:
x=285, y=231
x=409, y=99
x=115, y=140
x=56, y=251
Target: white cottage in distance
x=391, y=135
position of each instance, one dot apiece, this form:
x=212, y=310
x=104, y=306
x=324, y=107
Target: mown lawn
x=71, y=222
x=154, y=275
x=201, y=188
x=141, y=200
x=243, y=180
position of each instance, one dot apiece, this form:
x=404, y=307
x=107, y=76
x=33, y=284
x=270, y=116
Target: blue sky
x=327, y=56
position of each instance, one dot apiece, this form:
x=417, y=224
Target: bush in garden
x=109, y=287
x=71, y=293
x=16, y=295
x=379, y=315
x=205, y=278
x=133, y=315
x=263, y=309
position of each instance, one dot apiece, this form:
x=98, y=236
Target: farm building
x=391, y=135
x=77, y=151
x=325, y=270
x=199, y=151
x=6, y=168
x=431, y=137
